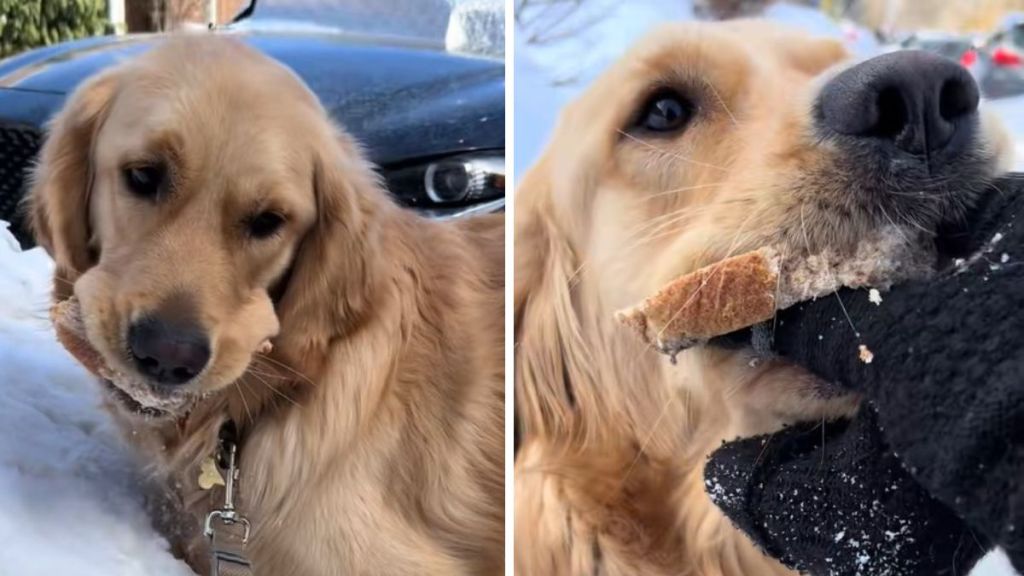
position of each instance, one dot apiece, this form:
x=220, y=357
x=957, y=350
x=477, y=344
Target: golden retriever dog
x=199, y=203
x=704, y=141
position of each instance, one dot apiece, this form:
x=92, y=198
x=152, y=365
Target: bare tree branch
x=558, y=25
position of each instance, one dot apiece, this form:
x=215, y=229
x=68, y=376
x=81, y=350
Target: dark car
x=432, y=120
x=952, y=46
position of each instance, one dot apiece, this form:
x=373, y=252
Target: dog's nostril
x=892, y=113
x=956, y=99
x=183, y=374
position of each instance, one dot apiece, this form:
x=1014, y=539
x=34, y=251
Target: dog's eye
x=665, y=111
x=144, y=181
x=264, y=224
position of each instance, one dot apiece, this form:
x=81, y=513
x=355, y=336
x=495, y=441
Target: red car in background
x=996, y=61
x=999, y=61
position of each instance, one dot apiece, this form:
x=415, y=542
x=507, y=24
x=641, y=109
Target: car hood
x=402, y=100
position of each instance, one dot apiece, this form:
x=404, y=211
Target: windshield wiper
x=245, y=13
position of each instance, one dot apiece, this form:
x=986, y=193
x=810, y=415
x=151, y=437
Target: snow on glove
x=836, y=501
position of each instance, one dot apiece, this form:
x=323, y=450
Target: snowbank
x=69, y=500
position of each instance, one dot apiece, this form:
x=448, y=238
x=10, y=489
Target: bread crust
x=747, y=289
x=717, y=299
x=67, y=322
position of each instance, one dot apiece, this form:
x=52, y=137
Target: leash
x=227, y=530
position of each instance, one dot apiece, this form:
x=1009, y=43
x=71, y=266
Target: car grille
x=18, y=148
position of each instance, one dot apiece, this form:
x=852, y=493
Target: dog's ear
x=61, y=181
x=327, y=289
x=554, y=380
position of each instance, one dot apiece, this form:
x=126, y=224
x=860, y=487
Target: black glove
x=833, y=499
x=946, y=378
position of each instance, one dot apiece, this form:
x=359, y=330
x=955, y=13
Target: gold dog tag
x=209, y=476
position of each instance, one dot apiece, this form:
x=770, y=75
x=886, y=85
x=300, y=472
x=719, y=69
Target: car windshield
x=474, y=26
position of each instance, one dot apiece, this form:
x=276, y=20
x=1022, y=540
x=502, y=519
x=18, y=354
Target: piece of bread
x=717, y=299
x=132, y=393
x=70, y=328
x=747, y=289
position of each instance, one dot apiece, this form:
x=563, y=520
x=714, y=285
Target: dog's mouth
x=128, y=391
x=131, y=405
x=150, y=401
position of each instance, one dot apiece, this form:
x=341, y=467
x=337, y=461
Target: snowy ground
x=68, y=490
x=550, y=74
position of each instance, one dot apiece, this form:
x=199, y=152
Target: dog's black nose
x=166, y=352
x=916, y=100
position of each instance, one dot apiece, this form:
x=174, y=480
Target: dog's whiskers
x=647, y=439
x=910, y=221
x=921, y=195
x=265, y=370
x=664, y=410
x=662, y=229
x=998, y=190
x=678, y=190
x=729, y=253
x=898, y=229
x=652, y=227
x=285, y=367
x=721, y=101
x=674, y=155
x=245, y=403
x=821, y=465
x=658, y=222
x=273, y=389
x=63, y=280
x=778, y=291
x=832, y=279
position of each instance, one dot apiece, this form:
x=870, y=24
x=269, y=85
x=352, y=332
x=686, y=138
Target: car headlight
x=452, y=183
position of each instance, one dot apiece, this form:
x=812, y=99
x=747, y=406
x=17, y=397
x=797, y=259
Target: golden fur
x=372, y=434
x=609, y=472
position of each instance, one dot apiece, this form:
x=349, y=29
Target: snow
x=550, y=74
x=1010, y=112
x=875, y=297
x=70, y=498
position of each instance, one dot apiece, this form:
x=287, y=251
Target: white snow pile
x=69, y=497
x=477, y=27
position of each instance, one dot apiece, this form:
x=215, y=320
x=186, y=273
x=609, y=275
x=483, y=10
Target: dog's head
x=189, y=198
x=708, y=140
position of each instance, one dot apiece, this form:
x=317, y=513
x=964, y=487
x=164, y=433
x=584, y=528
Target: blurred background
x=561, y=45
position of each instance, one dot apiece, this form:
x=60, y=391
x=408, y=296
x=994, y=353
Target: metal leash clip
x=228, y=515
